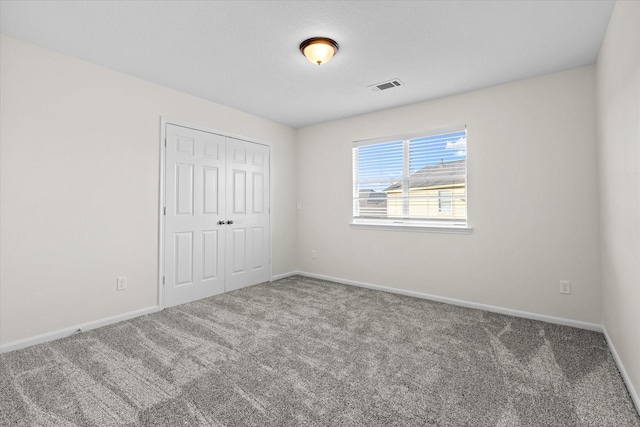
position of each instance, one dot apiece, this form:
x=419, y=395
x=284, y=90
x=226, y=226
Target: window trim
x=411, y=225
x=407, y=136
x=372, y=224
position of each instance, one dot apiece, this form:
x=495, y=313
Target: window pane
x=419, y=179
x=437, y=150
x=379, y=165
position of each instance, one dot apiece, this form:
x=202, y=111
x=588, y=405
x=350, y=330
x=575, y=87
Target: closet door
x=216, y=230
x=247, y=231
x=194, y=242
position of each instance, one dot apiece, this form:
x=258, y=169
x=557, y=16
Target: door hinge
x=163, y=280
x=165, y=210
x=165, y=142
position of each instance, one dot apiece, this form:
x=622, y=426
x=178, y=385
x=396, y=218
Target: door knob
x=230, y=222
x=220, y=222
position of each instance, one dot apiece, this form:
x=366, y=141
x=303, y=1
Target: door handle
x=230, y=222
x=220, y=222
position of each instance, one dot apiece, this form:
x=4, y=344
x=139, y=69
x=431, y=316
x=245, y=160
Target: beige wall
x=532, y=183
x=619, y=154
x=80, y=149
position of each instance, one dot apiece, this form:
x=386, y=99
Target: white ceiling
x=244, y=54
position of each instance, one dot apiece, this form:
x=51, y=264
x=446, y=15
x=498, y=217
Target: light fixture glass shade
x=319, y=49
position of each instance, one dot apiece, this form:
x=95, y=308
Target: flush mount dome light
x=319, y=49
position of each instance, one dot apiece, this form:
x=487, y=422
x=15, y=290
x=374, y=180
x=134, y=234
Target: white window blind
x=414, y=180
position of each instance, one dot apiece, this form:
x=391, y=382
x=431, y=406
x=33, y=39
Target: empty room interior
x=320, y=213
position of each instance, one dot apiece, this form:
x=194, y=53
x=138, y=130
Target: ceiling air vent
x=390, y=84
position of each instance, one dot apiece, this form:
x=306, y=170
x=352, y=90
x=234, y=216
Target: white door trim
x=164, y=121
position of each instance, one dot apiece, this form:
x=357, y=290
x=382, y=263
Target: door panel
x=257, y=244
x=210, y=190
x=194, y=185
x=239, y=154
x=258, y=192
x=238, y=250
x=210, y=244
x=248, y=257
x=184, y=259
x=184, y=189
x=239, y=193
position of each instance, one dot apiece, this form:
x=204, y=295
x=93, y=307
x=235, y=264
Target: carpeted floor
x=301, y=351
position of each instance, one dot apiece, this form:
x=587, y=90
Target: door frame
x=164, y=121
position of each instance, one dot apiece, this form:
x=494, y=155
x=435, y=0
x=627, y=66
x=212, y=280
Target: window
x=411, y=181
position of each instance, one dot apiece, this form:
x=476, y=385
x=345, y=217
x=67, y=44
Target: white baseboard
x=284, y=275
x=632, y=391
x=61, y=333
x=462, y=303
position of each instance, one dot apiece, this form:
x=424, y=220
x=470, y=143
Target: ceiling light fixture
x=319, y=49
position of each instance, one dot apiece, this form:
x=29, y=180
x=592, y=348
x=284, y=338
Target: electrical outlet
x=314, y=255
x=565, y=287
x=122, y=283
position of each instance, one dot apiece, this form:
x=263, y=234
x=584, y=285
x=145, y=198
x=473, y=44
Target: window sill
x=412, y=227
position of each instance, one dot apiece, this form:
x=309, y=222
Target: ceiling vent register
x=390, y=84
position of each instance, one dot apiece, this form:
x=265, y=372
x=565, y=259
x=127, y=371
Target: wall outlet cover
x=122, y=283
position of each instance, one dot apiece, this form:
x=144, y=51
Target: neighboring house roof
x=373, y=194
x=449, y=173
x=372, y=197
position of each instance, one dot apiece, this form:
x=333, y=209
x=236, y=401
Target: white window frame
x=406, y=224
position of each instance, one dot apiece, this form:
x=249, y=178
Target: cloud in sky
x=460, y=144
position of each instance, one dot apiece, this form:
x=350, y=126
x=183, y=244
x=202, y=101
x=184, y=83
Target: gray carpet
x=308, y=352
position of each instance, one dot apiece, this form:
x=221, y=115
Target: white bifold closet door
x=216, y=234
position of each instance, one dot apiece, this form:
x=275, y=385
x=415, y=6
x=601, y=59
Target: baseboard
x=462, y=303
x=61, y=333
x=284, y=275
x=632, y=391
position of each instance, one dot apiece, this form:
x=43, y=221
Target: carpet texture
x=302, y=351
